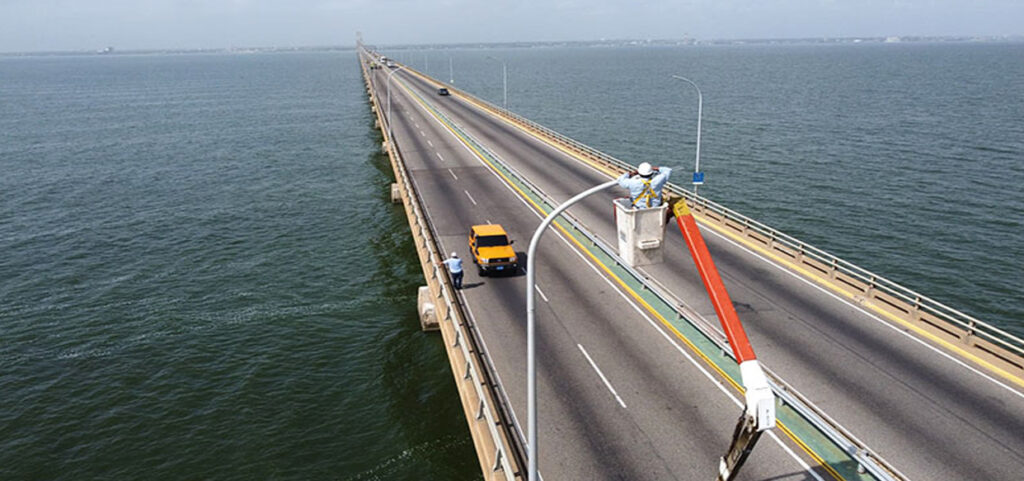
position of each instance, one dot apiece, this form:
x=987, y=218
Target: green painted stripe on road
x=833, y=457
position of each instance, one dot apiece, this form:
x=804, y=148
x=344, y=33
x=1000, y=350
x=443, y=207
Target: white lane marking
x=430, y=143
x=439, y=156
x=599, y=373
x=630, y=301
x=421, y=133
x=470, y=197
x=787, y=271
x=622, y=294
x=469, y=311
x=542, y=296
x=453, y=174
x=870, y=315
x=797, y=276
x=671, y=340
x=417, y=124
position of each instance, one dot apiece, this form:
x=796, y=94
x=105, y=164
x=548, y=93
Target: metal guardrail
x=856, y=449
x=911, y=304
x=898, y=300
x=425, y=230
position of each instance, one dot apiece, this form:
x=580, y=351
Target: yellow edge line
x=821, y=462
x=825, y=283
x=871, y=305
x=628, y=289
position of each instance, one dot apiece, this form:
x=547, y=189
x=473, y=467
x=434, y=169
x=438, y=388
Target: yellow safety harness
x=645, y=195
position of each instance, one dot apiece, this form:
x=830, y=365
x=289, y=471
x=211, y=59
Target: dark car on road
x=442, y=91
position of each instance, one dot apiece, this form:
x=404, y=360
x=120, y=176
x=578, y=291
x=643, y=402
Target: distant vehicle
x=442, y=91
x=492, y=250
x=390, y=63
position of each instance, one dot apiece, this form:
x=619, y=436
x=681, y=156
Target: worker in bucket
x=645, y=184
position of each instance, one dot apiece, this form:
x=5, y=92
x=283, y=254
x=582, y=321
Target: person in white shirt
x=455, y=269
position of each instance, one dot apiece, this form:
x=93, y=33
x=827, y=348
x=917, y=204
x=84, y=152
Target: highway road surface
x=620, y=396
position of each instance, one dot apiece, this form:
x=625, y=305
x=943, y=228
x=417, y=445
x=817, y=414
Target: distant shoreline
x=570, y=43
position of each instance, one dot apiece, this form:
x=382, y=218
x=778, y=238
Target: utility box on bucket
x=641, y=232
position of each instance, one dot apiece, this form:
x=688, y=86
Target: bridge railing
x=811, y=261
x=845, y=440
x=507, y=453
x=991, y=343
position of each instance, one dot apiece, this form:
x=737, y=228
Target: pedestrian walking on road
x=645, y=184
x=455, y=268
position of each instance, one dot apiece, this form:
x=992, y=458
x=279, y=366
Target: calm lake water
x=203, y=278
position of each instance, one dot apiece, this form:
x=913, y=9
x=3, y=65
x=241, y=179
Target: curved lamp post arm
x=531, y=359
x=389, y=98
x=700, y=111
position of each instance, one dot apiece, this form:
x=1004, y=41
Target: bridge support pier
x=426, y=309
x=396, y=193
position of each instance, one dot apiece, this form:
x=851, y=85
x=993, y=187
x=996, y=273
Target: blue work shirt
x=454, y=264
x=636, y=186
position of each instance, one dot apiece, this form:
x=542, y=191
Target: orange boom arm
x=713, y=283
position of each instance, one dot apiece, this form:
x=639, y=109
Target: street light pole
x=451, y=71
x=393, y=72
x=504, y=81
x=531, y=358
x=700, y=110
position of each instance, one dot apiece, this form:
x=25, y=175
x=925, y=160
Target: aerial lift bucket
x=641, y=232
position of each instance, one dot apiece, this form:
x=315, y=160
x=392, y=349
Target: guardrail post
x=497, y=460
x=969, y=333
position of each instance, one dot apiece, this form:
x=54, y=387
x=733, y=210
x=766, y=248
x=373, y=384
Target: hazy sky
x=33, y=25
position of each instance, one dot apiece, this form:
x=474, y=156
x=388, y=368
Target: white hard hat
x=454, y=254
x=644, y=169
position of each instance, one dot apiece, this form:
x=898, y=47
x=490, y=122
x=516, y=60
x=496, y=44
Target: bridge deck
x=930, y=414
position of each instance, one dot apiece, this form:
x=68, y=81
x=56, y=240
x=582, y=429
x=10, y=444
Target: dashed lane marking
x=599, y=373
x=542, y=296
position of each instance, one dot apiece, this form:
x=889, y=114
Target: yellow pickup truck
x=492, y=250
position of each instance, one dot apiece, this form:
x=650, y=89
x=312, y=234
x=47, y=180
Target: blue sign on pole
x=698, y=178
